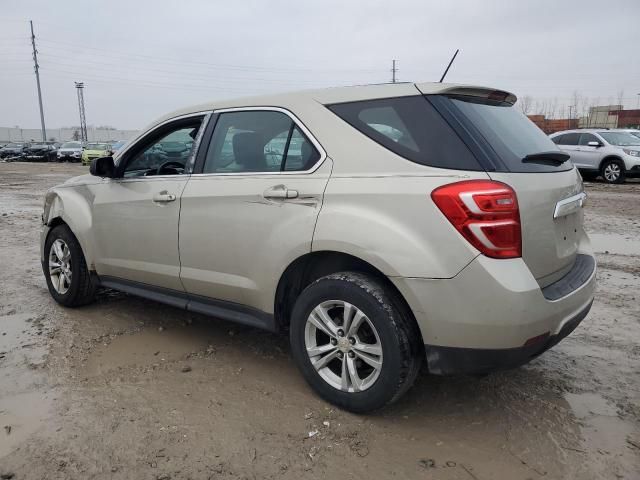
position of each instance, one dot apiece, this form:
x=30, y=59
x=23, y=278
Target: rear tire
x=65, y=269
x=376, y=357
x=613, y=171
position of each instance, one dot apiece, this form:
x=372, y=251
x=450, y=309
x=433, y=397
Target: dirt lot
x=127, y=388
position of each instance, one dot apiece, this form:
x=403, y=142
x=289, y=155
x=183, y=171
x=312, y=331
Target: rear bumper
x=488, y=316
x=454, y=360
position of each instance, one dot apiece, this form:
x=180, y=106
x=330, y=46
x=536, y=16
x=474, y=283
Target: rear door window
x=570, y=139
x=410, y=127
x=260, y=141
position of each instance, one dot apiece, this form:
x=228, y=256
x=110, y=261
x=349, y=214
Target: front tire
x=354, y=341
x=65, y=269
x=613, y=171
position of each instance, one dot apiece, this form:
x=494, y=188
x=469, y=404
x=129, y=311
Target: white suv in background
x=614, y=154
x=381, y=226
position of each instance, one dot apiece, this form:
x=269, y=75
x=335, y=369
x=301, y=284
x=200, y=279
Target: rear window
x=411, y=128
x=509, y=133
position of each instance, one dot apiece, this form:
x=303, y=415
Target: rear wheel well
x=306, y=269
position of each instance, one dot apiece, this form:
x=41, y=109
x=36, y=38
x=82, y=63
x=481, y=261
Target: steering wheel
x=171, y=163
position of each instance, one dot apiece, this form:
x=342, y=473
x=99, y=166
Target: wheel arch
x=70, y=208
x=311, y=266
x=610, y=158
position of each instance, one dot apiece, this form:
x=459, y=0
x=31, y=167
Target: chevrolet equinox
x=381, y=226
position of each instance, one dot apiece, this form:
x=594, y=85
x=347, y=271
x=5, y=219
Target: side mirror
x=102, y=167
x=594, y=144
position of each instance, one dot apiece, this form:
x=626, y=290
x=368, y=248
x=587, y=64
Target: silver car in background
x=613, y=154
x=70, y=151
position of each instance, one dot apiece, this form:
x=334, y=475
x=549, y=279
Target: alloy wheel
x=612, y=172
x=60, y=266
x=343, y=345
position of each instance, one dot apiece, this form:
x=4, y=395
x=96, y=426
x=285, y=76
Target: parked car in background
x=380, y=226
x=70, y=151
x=613, y=154
x=13, y=150
x=117, y=146
x=95, y=150
x=40, y=152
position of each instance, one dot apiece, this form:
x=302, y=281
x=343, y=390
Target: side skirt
x=212, y=307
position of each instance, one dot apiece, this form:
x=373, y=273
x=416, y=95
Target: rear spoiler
x=483, y=92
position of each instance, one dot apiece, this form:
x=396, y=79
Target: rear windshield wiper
x=552, y=157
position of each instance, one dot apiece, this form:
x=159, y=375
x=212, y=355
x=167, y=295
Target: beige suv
x=381, y=226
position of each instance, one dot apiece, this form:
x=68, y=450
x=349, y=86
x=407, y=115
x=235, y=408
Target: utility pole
x=36, y=68
x=393, y=71
x=83, y=119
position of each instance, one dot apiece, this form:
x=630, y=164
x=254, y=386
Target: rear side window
x=569, y=139
x=509, y=133
x=411, y=128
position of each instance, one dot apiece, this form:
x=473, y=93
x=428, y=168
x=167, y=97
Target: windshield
x=511, y=135
x=14, y=145
x=97, y=146
x=39, y=145
x=621, y=139
x=71, y=145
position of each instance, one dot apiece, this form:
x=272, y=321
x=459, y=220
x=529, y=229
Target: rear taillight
x=485, y=213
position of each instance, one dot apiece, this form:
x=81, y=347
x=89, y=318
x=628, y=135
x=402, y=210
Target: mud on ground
x=127, y=388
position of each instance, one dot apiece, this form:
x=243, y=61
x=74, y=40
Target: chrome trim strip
x=569, y=205
x=296, y=121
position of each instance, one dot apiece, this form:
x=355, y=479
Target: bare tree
x=621, y=99
x=575, y=101
x=525, y=104
x=553, y=106
x=620, y=106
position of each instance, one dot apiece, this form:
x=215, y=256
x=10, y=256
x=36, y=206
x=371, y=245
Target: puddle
x=21, y=352
x=24, y=403
x=587, y=404
x=605, y=435
x=147, y=347
x=614, y=243
x=20, y=416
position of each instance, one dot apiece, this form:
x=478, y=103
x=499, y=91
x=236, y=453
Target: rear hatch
x=549, y=190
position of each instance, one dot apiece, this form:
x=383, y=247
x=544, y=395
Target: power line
x=36, y=68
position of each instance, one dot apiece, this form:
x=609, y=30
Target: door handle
x=164, y=197
x=280, y=192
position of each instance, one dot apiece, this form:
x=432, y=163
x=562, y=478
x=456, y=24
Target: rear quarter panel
x=391, y=222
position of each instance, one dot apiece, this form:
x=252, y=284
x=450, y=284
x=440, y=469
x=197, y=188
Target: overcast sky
x=140, y=59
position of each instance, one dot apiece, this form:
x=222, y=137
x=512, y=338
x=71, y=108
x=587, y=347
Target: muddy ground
x=130, y=389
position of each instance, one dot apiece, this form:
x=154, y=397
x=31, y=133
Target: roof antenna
x=449, y=66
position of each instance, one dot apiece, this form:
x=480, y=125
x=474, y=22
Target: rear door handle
x=280, y=192
x=164, y=197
